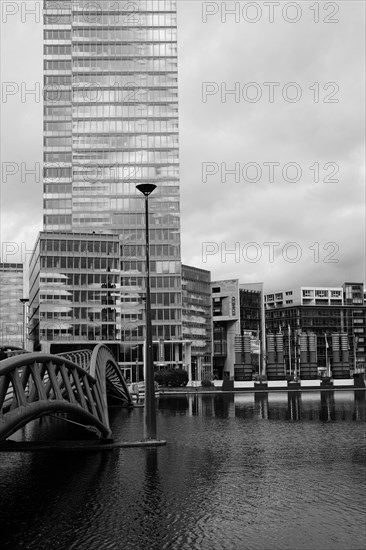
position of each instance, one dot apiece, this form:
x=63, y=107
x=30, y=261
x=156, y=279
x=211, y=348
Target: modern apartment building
x=305, y=296
x=11, y=309
x=110, y=123
x=323, y=311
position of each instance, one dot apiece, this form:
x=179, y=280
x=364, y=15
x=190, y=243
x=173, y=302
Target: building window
x=321, y=293
x=307, y=293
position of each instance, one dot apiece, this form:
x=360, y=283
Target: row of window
x=127, y=14
x=119, y=222
x=58, y=173
x=107, y=65
x=108, y=119
x=117, y=34
x=110, y=143
x=58, y=157
x=322, y=293
x=167, y=282
x=109, y=174
x=126, y=111
x=65, y=111
x=108, y=157
x=96, y=246
x=62, y=262
x=90, y=87
x=81, y=279
x=58, y=141
x=57, y=204
x=167, y=192
x=100, y=247
x=133, y=97
x=96, y=279
x=109, y=5
x=57, y=222
x=132, y=221
x=137, y=235
x=108, y=332
x=158, y=251
x=117, y=126
x=143, y=49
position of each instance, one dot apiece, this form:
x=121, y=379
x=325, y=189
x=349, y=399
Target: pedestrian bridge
x=36, y=384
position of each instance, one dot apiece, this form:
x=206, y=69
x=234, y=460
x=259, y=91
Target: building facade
x=111, y=123
x=324, y=312
x=75, y=292
x=197, y=319
x=305, y=296
x=77, y=299
x=238, y=329
x=11, y=309
x=226, y=326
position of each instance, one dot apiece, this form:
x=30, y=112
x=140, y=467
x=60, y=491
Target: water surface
x=244, y=471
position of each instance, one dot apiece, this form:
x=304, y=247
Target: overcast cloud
x=221, y=214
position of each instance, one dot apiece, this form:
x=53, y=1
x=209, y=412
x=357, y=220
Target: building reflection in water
x=294, y=405
x=261, y=405
x=223, y=405
x=359, y=406
x=327, y=406
x=180, y=405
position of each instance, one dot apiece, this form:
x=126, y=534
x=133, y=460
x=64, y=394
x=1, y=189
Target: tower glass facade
x=110, y=123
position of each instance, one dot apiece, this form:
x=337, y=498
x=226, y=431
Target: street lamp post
x=150, y=413
x=24, y=303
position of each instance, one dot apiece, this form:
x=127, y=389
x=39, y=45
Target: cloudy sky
x=272, y=174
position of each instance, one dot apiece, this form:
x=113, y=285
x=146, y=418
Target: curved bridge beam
x=33, y=384
x=105, y=369
x=79, y=357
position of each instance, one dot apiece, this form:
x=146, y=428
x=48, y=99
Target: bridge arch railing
x=104, y=367
x=80, y=357
x=35, y=384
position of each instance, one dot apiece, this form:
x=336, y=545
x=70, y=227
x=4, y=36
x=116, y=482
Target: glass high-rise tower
x=110, y=123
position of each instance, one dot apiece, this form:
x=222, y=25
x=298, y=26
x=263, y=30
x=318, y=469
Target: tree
x=172, y=377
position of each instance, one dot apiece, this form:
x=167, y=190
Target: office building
x=197, y=319
x=110, y=123
x=238, y=329
x=77, y=299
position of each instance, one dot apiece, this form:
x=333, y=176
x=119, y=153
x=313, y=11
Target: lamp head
x=146, y=188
